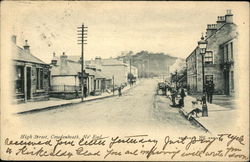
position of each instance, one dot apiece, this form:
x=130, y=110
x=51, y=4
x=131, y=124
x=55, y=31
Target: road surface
x=138, y=108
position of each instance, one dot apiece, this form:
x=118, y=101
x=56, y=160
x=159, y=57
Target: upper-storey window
x=208, y=58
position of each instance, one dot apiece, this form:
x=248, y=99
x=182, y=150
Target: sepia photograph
x=124, y=80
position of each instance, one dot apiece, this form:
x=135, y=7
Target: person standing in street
x=120, y=91
x=85, y=90
x=210, y=91
x=183, y=95
x=173, y=95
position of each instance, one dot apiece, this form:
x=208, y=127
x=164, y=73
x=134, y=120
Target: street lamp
x=202, y=44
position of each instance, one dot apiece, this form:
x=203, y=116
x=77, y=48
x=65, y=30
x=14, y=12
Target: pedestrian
x=183, y=95
x=85, y=90
x=120, y=91
x=210, y=91
x=76, y=91
x=173, y=94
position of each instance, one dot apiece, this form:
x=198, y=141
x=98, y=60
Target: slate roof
x=19, y=54
x=73, y=68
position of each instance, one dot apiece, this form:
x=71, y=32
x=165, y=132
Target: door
x=28, y=82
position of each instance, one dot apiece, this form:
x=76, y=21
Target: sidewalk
x=55, y=102
x=219, y=118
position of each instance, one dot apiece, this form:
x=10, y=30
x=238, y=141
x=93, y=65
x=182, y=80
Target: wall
x=191, y=63
x=119, y=71
x=65, y=80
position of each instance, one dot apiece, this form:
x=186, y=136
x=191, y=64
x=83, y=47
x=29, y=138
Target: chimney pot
x=26, y=46
x=229, y=12
x=13, y=39
x=229, y=16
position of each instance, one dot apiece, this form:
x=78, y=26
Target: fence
x=65, y=88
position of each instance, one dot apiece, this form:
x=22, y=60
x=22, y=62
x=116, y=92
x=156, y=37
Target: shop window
x=19, y=81
x=208, y=58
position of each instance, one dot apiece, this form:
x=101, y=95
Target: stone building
x=31, y=75
x=112, y=67
x=219, y=59
x=66, y=81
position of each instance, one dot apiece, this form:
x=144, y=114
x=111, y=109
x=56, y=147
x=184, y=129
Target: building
x=66, y=82
x=31, y=75
x=112, y=68
x=219, y=59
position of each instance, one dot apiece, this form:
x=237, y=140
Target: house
x=111, y=68
x=31, y=75
x=219, y=59
x=66, y=81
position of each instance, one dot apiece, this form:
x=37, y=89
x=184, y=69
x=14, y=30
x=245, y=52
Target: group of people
x=173, y=93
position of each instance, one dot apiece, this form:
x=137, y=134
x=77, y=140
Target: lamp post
x=202, y=44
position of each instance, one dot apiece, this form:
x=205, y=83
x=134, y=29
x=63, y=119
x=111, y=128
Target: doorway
x=28, y=83
x=226, y=77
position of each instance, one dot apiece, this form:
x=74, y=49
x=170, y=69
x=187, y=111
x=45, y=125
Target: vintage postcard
x=124, y=80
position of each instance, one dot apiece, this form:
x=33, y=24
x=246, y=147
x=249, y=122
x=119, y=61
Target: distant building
x=111, y=68
x=32, y=75
x=66, y=82
x=219, y=60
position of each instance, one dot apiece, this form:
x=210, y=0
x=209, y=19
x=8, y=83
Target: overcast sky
x=172, y=28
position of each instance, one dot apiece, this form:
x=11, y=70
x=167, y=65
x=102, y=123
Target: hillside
x=150, y=64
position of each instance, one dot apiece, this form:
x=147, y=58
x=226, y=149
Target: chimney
x=229, y=16
x=26, y=46
x=63, y=64
x=54, y=59
x=211, y=29
x=98, y=62
x=220, y=21
x=13, y=39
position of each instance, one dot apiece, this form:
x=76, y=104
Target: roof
x=73, y=68
x=74, y=58
x=19, y=54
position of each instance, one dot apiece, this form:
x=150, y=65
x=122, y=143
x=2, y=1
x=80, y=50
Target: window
x=208, y=78
x=208, y=58
x=19, y=79
x=232, y=51
x=39, y=78
x=226, y=53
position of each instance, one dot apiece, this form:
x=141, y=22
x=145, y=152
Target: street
x=139, y=107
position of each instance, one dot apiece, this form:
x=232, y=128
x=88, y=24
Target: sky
x=169, y=27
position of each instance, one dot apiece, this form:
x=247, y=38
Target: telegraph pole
x=113, y=79
x=148, y=64
x=82, y=35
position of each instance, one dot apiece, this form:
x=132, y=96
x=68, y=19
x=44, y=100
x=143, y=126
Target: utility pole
x=148, y=64
x=113, y=78
x=82, y=35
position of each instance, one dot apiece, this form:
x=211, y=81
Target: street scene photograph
x=126, y=68
x=135, y=73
